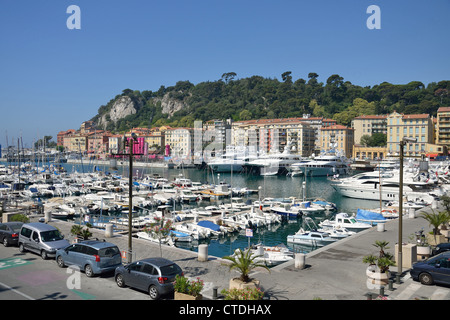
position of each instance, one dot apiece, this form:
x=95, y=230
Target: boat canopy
x=209, y=224
x=366, y=215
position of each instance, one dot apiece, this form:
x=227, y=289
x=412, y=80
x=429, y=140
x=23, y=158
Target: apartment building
x=62, y=134
x=274, y=135
x=443, y=126
x=76, y=142
x=368, y=125
x=339, y=138
x=419, y=126
x=180, y=142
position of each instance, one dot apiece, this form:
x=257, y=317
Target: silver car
x=153, y=275
x=41, y=238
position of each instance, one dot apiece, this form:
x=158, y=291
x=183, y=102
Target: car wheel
x=60, y=262
x=5, y=242
x=88, y=270
x=153, y=292
x=119, y=280
x=22, y=248
x=44, y=255
x=426, y=279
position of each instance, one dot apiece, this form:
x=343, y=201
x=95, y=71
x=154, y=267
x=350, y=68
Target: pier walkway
x=334, y=272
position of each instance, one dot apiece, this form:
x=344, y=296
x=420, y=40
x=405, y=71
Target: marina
x=274, y=207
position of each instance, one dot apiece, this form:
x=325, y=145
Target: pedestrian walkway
x=334, y=272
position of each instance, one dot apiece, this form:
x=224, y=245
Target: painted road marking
x=13, y=262
x=439, y=294
x=408, y=292
x=17, y=291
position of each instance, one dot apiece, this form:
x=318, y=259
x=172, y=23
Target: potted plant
x=245, y=262
x=81, y=233
x=423, y=248
x=378, y=270
x=436, y=220
x=186, y=289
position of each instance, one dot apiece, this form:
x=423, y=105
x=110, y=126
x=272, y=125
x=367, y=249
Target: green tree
x=160, y=230
x=245, y=115
x=366, y=140
x=378, y=139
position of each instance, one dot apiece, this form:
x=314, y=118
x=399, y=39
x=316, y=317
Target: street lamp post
x=130, y=155
x=403, y=142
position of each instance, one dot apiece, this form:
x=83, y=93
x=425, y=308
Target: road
x=25, y=276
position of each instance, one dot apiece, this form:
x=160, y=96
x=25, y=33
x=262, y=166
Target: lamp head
x=409, y=140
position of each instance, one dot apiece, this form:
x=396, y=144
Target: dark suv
x=92, y=256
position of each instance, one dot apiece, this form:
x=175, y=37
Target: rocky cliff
x=124, y=106
x=169, y=105
x=121, y=108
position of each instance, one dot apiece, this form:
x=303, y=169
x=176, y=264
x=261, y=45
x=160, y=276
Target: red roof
x=416, y=116
x=336, y=127
x=371, y=117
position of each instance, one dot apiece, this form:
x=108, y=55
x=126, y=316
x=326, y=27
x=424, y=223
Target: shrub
x=20, y=218
x=243, y=294
x=184, y=285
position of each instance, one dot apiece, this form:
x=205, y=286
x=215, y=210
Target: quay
x=333, y=272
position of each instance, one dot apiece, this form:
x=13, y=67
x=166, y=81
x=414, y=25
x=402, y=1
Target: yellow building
x=181, y=142
x=339, y=138
x=419, y=126
x=371, y=153
x=76, y=143
x=368, y=125
x=443, y=126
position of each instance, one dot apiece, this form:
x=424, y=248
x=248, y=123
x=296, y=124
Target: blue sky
x=53, y=78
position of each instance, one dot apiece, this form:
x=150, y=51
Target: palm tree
x=436, y=219
x=382, y=245
x=384, y=259
x=245, y=263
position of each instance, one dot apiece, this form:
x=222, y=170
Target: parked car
x=442, y=247
x=9, y=233
x=433, y=270
x=91, y=256
x=153, y=275
x=41, y=238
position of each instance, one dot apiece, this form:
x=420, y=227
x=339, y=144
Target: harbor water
x=269, y=186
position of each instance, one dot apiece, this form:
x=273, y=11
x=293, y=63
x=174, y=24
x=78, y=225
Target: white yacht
x=327, y=164
x=343, y=220
x=274, y=163
x=369, y=185
x=226, y=165
x=311, y=238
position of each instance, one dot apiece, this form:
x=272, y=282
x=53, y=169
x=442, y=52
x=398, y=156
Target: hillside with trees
x=257, y=97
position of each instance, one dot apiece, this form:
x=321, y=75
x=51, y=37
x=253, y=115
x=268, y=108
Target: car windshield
x=52, y=235
x=108, y=252
x=170, y=270
x=16, y=227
